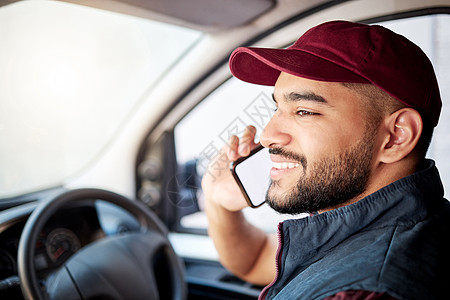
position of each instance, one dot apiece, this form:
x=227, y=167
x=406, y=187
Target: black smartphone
x=252, y=175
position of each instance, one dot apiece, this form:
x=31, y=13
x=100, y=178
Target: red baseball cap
x=342, y=51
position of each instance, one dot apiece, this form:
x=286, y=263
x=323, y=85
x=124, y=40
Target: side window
x=235, y=104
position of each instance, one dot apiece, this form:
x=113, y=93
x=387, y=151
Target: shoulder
x=360, y=295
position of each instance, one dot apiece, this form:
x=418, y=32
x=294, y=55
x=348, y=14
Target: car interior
x=109, y=114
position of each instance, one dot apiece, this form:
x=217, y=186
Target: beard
x=331, y=182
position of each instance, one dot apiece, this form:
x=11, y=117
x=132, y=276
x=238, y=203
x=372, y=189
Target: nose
x=275, y=133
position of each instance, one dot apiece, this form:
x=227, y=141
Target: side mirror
x=188, y=185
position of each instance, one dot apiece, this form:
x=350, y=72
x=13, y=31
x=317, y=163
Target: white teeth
x=292, y=165
x=285, y=165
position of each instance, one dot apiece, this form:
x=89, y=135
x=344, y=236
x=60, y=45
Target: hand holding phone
x=252, y=175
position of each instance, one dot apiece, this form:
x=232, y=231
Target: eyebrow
x=309, y=96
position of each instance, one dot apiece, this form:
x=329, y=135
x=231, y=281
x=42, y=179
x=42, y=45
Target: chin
x=278, y=191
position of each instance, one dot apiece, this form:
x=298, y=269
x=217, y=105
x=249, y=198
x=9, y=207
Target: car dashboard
x=67, y=231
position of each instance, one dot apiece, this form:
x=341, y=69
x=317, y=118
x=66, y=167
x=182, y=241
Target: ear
x=401, y=132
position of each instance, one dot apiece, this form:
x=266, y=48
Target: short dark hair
x=386, y=104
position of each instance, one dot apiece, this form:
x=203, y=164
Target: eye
x=303, y=113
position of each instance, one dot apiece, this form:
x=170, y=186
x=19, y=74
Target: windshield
x=69, y=77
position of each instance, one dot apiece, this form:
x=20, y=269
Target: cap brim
x=263, y=66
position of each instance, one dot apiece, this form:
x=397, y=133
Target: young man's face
x=322, y=147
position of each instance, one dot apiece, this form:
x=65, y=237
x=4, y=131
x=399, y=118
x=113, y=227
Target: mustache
x=289, y=155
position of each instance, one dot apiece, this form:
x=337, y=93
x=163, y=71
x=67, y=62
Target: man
x=356, y=108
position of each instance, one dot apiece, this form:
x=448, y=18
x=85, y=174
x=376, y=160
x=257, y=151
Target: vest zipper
x=264, y=292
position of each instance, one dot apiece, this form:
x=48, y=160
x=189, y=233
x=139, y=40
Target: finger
x=247, y=142
x=232, y=152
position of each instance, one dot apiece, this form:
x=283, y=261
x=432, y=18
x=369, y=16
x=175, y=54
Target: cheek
x=320, y=143
x=328, y=134
x=316, y=142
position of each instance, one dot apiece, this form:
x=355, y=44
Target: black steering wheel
x=121, y=267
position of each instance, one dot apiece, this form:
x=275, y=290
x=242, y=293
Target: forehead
x=293, y=89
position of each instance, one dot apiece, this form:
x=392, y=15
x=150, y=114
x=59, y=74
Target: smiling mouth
x=286, y=160
x=285, y=165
